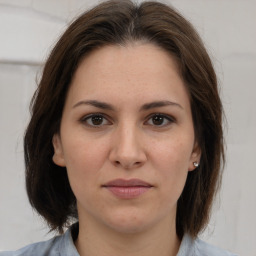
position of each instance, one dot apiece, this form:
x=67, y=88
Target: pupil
x=97, y=120
x=158, y=120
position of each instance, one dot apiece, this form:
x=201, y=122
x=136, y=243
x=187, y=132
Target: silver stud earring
x=196, y=164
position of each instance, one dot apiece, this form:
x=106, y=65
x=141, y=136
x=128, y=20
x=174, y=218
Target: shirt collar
x=67, y=246
x=187, y=246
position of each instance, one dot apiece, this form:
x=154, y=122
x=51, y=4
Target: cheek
x=171, y=159
x=84, y=160
x=172, y=154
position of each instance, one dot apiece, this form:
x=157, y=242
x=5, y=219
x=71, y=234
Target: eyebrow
x=94, y=103
x=157, y=104
x=147, y=106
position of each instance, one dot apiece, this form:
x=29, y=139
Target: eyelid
x=88, y=116
x=170, y=118
x=167, y=117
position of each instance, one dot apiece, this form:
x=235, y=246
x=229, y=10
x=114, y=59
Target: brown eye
x=160, y=120
x=95, y=120
x=157, y=120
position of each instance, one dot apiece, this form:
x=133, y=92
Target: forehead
x=118, y=58
x=142, y=71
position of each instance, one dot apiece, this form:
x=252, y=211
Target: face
x=127, y=137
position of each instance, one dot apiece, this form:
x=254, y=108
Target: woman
x=125, y=138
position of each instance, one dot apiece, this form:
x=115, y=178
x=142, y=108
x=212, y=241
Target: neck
x=102, y=241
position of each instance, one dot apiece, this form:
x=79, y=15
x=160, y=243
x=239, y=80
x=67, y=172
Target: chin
x=126, y=223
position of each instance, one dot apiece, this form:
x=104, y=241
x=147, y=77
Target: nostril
x=117, y=162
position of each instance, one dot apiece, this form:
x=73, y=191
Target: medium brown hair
x=120, y=22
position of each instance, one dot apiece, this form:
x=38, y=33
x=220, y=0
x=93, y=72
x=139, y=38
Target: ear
x=58, y=156
x=195, y=157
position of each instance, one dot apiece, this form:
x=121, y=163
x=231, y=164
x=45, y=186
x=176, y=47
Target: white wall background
x=28, y=29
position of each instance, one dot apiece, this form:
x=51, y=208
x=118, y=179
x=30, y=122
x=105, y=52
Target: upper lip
x=127, y=183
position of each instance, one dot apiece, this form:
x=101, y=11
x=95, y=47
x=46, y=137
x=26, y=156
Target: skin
x=127, y=143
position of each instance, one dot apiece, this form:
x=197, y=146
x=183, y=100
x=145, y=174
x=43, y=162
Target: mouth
x=127, y=189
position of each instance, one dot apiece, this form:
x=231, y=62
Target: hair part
x=121, y=22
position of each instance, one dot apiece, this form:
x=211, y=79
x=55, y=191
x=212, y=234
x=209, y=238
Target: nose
x=127, y=149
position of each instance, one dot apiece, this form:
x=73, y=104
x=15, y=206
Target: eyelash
x=167, y=120
x=85, y=119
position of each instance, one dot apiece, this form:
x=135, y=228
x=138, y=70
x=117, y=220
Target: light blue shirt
x=64, y=246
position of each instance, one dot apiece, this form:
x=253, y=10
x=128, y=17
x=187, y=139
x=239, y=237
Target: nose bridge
x=127, y=138
x=127, y=147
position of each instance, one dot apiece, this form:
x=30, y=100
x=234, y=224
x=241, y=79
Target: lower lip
x=128, y=192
